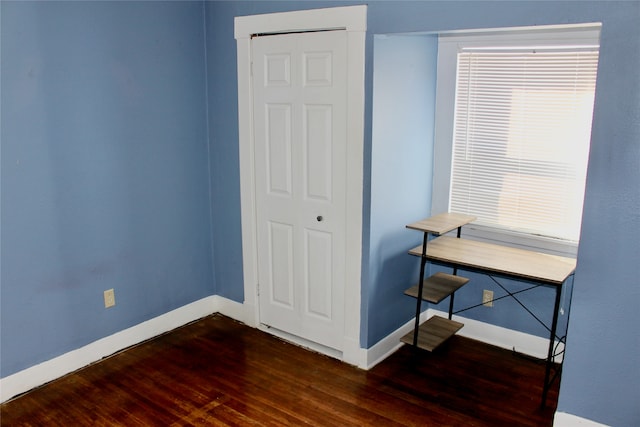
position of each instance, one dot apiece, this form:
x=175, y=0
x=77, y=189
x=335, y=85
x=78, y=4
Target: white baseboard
x=530, y=345
x=57, y=367
x=389, y=344
x=353, y=354
x=238, y=311
x=562, y=419
x=510, y=339
x=246, y=313
x=301, y=342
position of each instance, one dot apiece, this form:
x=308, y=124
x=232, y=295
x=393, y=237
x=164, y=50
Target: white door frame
x=353, y=19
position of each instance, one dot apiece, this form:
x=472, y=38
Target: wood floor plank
x=218, y=372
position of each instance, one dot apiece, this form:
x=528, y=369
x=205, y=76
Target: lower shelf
x=433, y=332
x=437, y=287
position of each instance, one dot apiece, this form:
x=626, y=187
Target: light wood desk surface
x=442, y=223
x=498, y=259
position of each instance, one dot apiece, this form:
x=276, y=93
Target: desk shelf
x=437, y=287
x=442, y=223
x=433, y=332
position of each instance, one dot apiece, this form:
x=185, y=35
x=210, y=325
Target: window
x=520, y=127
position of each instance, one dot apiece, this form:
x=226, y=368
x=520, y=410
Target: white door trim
x=353, y=19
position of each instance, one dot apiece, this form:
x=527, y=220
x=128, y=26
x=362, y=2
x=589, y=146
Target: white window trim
x=448, y=47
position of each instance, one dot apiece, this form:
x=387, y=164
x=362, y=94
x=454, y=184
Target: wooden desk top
x=492, y=258
x=442, y=223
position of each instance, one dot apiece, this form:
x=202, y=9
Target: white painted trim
x=301, y=342
x=562, y=419
x=527, y=344
x=350, y=18
x=449, y=44
x=57, y=367
x=389, y=344
x=354, y=190
x=235, y=310
x=353, y=19
x=351, y=354
x=247, y=177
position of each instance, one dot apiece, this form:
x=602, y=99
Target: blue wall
x=104, y=171
x=222, y=115
x=107, y=179
x=401, y=175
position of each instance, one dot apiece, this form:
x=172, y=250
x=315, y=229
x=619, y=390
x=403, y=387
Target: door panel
x=278, y=122
x=300, y=165
x=317, y=134
x=318, y=266
x=281, y=263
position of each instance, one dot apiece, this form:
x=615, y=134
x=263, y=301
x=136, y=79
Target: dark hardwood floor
x=219, y=372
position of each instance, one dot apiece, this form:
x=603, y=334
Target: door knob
x=319, y=218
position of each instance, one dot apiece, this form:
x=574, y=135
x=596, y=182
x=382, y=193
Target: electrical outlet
x=109, y=298
x=487, y=298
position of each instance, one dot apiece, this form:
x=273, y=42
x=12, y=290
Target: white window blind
x=522, y=128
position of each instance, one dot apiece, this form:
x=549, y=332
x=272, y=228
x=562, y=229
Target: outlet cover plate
x=487, y=298
x=109, y=298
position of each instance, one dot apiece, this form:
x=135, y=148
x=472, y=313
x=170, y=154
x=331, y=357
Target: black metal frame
x=423, y=263
x=549, y=361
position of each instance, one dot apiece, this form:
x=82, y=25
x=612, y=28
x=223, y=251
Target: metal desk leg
x=451, y=305
x=552, y=339
x=455, y=273
x=423, y=262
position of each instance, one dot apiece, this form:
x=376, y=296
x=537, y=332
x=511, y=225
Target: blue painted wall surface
x=601, y=379
x=104, y=171
x=401, y=174
x=222, y=116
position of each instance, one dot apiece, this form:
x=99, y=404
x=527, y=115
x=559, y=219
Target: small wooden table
x=519, y=264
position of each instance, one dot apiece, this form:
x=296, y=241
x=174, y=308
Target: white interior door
x=300, y=131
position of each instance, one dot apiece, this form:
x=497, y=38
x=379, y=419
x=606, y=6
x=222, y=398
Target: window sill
x=520, y=240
